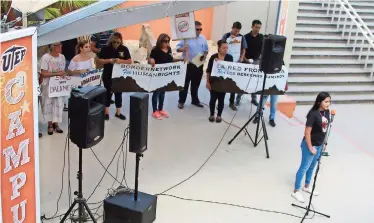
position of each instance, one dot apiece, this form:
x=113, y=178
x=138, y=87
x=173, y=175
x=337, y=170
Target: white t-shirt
x=52, y=64
x=81, y=65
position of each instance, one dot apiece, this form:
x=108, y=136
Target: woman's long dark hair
x=160, y=38
x=115, y=35
x=319, y=99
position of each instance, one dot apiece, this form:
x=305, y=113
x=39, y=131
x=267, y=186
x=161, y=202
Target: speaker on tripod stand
x=86, y=129
x=270, y=63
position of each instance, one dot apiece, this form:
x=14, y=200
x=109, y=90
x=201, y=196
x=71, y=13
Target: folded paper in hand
x=196, y=60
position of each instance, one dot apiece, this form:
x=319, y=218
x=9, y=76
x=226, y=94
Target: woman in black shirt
x=160, y=54
x=214, y=95
x=113, y=53
x=312, y=144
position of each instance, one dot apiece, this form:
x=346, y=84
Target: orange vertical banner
x=19, y=153
x=282, y=19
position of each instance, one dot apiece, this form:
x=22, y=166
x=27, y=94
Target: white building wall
x=245, y=12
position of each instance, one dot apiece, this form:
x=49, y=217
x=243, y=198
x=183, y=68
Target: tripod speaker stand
x=258, y=114
x=316, y=175
x=82, y=203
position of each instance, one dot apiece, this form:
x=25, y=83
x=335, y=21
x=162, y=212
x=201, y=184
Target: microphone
x=333, y=112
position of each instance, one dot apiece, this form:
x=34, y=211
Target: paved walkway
x=238, y=174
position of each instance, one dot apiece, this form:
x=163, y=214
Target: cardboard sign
x=144, y=78
x=183, y=26
x=246, y=79
x=61, y=86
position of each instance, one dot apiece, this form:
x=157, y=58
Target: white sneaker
x=309, y=190
x=298, y=196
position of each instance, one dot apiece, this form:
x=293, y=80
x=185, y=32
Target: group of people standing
x=64, y=59
x=233, y=47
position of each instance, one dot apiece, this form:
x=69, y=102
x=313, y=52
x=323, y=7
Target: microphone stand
x=315, y=178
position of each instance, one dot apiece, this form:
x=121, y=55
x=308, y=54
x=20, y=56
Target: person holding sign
x=52, y=64
x=83, y=61
x=113, y=53
x=237, y=48
x=197, y=50
x=160, y=54
x=215, y=95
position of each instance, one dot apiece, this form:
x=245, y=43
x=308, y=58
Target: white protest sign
x=183, y=26
x=145, y=78
x=61, y=86
x=246, y=78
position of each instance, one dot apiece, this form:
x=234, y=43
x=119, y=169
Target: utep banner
x=61, y=86
x=144, y=78
x=19, y=197
x=246, y=78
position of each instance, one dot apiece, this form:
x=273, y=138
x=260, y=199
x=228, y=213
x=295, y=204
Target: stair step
x=326, y=22
x=325, y=29
x=327, y=79
x=326, y=61
x=340, y=52
x=321, y=14
x=328, y=70
x=311, y=44
x=353, y=3
x=337, y=99
x=328, y=57
x=318, y=7
x=351, y=89
x=319, y=36
x=336, y=75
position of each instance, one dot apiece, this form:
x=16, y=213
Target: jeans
x=160, y=97
x=214, y=96
x=273, y=105
x=193, y=76
x=232, y=98
x=308, y=164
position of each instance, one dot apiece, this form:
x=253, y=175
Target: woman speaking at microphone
x=315, y=131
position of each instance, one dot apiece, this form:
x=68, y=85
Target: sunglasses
x=166, y=40
x=116, y=42
x=199, y=29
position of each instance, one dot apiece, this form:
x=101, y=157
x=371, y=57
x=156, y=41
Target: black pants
x=214, y=96
x=117, y=96
x=193, y=76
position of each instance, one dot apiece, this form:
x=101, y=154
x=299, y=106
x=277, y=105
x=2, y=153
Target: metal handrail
x=360, y=24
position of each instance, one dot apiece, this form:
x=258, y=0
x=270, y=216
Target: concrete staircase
x=322, y=61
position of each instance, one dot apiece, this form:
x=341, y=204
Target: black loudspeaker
x=138, y=122
x=87, y=115
x=272, y=54
x=122, y=208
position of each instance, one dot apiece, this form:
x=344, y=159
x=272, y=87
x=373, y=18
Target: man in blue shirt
x=237, y=48
x=195, y=47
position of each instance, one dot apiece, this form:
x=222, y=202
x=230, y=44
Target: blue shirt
x=195, y=46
